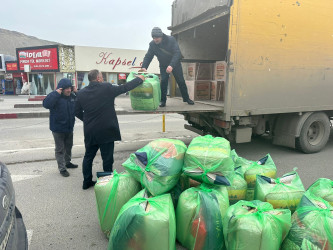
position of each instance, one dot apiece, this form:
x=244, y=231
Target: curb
x=24, y=115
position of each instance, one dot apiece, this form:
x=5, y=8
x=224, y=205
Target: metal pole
x=28, y=84
x=163, y=122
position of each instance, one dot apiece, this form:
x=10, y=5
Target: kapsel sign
x=111, y=60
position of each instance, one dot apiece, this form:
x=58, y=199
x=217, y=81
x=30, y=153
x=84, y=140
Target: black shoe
x=162, y=104
x=64, y=173
x=87, y=185
x=71, y=165
x=190, y=102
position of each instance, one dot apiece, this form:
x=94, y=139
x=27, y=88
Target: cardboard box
x=220, y=70
x=217, y=90
x=199, y=71
x=198, y=90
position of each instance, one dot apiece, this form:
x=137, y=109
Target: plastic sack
x=323, y=188
x=199, y=217
x=255, y=225
x=284, y=192
x=147, y=96
x=181, y=186
x=312, y=225
x=237, y=190
x=145, y=223
x=157, y=165
x=112, y=192
x=208, y=160
x=241, y=164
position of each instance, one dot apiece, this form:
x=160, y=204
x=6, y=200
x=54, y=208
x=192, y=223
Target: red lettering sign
x=39, y=58
x=11, y=66
x=106, y=58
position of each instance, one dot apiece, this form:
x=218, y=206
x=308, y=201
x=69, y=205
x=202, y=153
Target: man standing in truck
x=167, y=51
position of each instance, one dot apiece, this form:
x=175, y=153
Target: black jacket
x=62, y=117
x=167, y=53
x=95, y=107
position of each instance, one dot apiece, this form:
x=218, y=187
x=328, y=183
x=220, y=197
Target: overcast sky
x=100, y=23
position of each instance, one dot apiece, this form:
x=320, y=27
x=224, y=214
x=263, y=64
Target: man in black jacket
x=95, y=107
x=167, y=51
x=62, y=118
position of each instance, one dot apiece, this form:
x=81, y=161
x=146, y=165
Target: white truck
x=279, y=77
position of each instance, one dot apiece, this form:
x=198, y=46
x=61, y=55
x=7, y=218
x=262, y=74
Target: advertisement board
x=11, y=66
x=42, y=58
x=66, y=59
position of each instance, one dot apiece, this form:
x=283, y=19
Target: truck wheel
x=314, y=133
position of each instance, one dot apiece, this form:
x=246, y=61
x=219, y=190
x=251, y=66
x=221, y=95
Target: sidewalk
x=19, y=106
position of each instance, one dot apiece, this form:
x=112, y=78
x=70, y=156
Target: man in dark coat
x=167, y=51
x=95, y=107
x=62, y=118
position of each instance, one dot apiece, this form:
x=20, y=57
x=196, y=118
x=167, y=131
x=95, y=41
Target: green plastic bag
x=199, y=217
x=237, y=190
x=181, y=186
x=241, y=164
x=323, y=188
x=147, y=96
x=112, y=192
x=208, y=160
x=145, y=223
x=157, y=165
x=312, y=225
x=255, y=225
x=284, y=192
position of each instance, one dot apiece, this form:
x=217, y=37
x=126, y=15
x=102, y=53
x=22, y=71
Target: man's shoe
x=89, y=184
x=190, y=102
x=71, y=165
x=64, y=173
x=162, y=104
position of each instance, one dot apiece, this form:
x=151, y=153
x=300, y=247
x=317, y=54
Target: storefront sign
x=122, y=76
x=11, y=66
x=111, y=60
x=66, y=59
x=9, y=76
x=39, y=58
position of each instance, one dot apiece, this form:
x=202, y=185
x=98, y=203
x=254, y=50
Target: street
x=60, y=215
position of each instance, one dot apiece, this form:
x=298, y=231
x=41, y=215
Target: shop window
x=41, y=84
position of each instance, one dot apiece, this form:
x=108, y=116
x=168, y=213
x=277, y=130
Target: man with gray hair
x=167, y=51
x=95, y=107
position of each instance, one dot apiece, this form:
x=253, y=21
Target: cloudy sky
x=99, y=23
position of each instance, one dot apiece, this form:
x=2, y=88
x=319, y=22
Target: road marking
x=31, y=149
x=16, y=178
x=29, y=234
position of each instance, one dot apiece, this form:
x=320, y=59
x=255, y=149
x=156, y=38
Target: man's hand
x=169, y=69
x=59, y=90
x=143, y=70
x=74, y=89
x=142, y=77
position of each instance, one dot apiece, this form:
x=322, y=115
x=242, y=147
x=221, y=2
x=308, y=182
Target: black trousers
x=107, y=150
x=178, y=74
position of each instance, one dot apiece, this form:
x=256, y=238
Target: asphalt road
x=60, y=215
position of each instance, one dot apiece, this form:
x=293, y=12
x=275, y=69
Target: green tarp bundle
x=237, y=190
x=146, y=223
x=208, y=160
x=323, y=188
x=284, y=192
x=199, y=216
x=255, y=225
x=312, y=225
x=147, y=96
x=112, y=192
x=157, y=165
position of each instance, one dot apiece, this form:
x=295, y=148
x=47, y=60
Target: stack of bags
x=207, y=197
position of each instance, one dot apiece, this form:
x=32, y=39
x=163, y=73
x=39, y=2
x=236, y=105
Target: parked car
x=13, y=234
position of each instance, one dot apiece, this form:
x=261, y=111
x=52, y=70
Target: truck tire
x=314, y=133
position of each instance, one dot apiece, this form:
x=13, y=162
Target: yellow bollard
x=163, y=122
